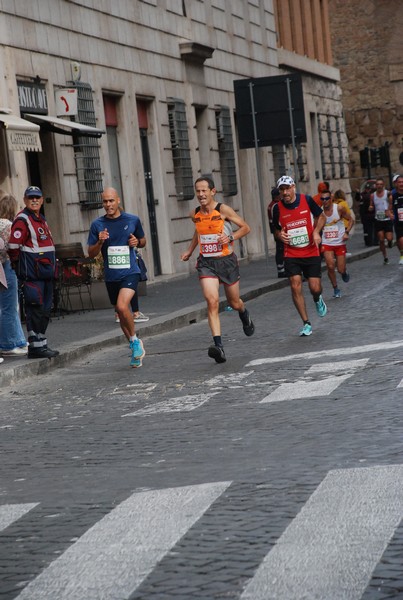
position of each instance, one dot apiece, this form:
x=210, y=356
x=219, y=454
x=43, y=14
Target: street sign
x=272, y=110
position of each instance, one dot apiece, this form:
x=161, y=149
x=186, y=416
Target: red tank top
x=299, y=224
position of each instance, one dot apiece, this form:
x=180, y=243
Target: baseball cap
x=285, y=180
x=322, y=187
x=395, y=178
x=33, y=190
x=275, y=192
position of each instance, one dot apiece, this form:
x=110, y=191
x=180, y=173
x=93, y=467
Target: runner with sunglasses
x=334, y=237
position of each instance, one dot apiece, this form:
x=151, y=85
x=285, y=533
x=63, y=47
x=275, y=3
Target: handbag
x=142, y=267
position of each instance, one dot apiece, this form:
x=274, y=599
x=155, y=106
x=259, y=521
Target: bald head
x=111, y=202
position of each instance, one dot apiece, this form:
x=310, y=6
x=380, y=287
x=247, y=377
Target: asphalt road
x=278, y=474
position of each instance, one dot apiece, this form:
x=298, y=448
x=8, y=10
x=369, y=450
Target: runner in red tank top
x=297, y=222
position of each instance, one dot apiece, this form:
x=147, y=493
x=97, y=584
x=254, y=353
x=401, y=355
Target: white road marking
x=323, y=387
x=180, y=404
x=12, y=512
x=342, y=365
x=333, y=545
x=305, y=389
x=331, y=352
x=229, y=378
x=113, y=557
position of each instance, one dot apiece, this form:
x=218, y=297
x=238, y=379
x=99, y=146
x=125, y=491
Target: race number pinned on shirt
x=209, y=246
x=298, y=236
x=399, y=214
x=119, y=257
x=330, y=232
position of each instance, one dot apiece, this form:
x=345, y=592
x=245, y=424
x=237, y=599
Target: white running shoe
x=22, y=351
x=401, y=260
x=140, y=318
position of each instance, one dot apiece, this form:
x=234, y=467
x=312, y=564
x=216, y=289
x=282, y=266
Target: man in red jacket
x=32, y=254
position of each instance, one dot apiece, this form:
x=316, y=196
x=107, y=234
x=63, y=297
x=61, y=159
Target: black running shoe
x=217, y=352
x=247, y=323
x=42, y=353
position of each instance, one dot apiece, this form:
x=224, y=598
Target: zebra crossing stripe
x=12, y=512
x=305, y=389
x=115, y=555
x=331, y=352
x=333, y=545
x=179, y=404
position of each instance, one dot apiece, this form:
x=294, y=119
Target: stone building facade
x=139, y=94
x=367, y=48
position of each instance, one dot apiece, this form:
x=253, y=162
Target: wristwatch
x=231, y=238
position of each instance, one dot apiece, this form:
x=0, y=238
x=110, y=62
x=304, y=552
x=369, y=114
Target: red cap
x=322, y=187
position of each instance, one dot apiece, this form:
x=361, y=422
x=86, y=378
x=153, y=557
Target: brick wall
x=367, y=48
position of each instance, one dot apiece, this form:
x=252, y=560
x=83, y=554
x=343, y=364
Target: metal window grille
x=321, y=147
x=86, y=151
x=178, y=130
x=226, y=151
x=331, y=148
x=280, y=164
x=340, y=145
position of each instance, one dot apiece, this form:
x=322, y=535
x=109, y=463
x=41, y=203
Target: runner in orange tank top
x=217, y=262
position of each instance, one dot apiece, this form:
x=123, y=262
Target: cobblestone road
x=276, y=475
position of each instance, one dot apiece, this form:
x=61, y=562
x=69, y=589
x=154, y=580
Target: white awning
x=63, y=126
x=21, y=134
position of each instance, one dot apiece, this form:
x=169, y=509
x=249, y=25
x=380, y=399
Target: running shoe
x=140, y=318
x=345, y=277
x=306, y=330
x=217, y=352
x=386, y=261
x=336, y=293
x=137, y=353
x=321, y=307
x=117, y=320
x=401, y=260
x=18, y=351
x=247, y=323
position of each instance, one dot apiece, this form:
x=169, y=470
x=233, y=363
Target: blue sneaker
x=321, y=307
x=137, y=353
x=336, y=293
x=306, y=330
x=345, y=277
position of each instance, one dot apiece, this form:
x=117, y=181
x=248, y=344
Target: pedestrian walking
x=12, y=339
x=379, y=206
x=116, y=235
x=396, y=208
x=298, y=221
x=279, y=256
x=32, y=254
x=334, y=237
x=217, y=262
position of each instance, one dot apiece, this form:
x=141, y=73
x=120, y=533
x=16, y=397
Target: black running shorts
x=308, y=267
x=225, y=268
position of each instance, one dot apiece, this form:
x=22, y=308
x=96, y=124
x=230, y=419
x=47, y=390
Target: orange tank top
x=209, y=228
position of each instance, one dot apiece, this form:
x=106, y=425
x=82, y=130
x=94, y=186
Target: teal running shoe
x=306, y=330
x=321, y=307
x=137, y=353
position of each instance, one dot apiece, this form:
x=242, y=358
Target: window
x=86, y=151
x=226, y=151
x=178, y=130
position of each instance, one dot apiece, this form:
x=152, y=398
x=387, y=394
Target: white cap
x=285, y=180
x=395, y=178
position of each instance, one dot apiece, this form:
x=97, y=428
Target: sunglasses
x=324, y=198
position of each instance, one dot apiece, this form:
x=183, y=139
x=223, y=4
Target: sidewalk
x=170, y=304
